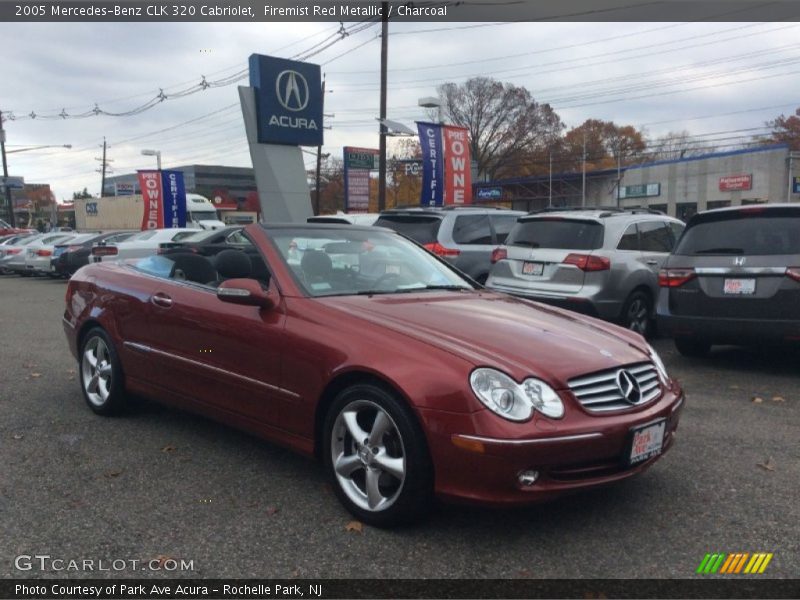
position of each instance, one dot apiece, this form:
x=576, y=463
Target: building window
x=659, y=207
x=685, y=210
x=712, y=204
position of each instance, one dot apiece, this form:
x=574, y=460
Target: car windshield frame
x=443, y=276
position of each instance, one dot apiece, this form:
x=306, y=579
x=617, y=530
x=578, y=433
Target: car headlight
x=662, y=370
x=511, y=400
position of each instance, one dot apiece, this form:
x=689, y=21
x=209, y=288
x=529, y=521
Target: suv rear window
x=558, y=234
x=421, y=229
x=765, y=233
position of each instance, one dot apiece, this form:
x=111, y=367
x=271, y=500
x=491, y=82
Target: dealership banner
x=796, y=185
x=734, y=183
x=457, y=167
x=164, y=196
x=358, y=162
x=430, y=140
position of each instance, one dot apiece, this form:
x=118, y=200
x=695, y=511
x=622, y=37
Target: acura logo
x=739, y=261
x=628, y=387
x=291, y=89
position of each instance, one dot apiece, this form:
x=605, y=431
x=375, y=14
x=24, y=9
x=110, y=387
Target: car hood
x=520, y=337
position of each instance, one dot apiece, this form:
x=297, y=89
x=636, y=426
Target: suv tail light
x=588, y=262
x=672, y=278
x=105, y=251
x=499, y=254
x=440, y=250
x=14, y=251
x=793, y=273
x=44, y=252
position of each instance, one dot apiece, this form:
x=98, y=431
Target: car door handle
x=161, y=299
x=652, y=262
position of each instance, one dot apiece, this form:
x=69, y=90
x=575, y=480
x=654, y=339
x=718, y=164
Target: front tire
x=377, y=457
x=101, y=374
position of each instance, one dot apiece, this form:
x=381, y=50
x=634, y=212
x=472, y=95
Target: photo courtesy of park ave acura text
x=387, y=299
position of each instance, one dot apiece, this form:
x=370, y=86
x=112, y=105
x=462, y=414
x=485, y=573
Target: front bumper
x=578, y=452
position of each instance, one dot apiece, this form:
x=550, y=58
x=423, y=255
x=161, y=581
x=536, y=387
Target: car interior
x=227, y=264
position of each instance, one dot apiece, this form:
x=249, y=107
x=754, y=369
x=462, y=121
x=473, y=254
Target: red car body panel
x=268, y=371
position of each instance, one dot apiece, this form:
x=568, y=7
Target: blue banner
x=430, y=140
x=796, y=186
x=174, y=197
x=288, y=100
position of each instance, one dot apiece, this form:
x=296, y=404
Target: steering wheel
x=384, y=278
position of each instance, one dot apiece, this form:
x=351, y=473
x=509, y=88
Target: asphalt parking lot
x=162, y=483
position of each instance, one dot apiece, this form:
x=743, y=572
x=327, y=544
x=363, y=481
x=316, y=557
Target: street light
x=156, y=153
x=68, y=146
x=432, y=102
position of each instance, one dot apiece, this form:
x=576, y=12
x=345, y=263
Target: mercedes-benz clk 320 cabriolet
x=357, y=346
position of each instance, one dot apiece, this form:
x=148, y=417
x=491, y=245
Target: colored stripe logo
x=743, y=563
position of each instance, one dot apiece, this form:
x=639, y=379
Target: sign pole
x=383, y=130
x=9, y=203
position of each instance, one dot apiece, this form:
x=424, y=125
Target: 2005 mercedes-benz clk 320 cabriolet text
x=356, y=345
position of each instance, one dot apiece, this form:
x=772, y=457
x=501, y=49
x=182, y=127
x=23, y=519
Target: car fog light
x=528, y=478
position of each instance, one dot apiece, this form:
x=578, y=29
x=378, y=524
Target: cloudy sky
x=720, y=79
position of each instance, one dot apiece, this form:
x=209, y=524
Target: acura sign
x=288, y=101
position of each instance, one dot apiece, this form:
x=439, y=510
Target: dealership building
x=679, y=187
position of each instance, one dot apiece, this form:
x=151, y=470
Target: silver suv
x=601, y=262
x=464, y=236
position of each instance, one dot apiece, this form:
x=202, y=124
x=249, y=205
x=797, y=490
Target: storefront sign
x=361, y=158
x=489, y=193
x=735, y=183
x=640, y=191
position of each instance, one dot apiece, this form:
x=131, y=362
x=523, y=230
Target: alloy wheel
x=96, y=371
x=638, y=316
x=368, y=457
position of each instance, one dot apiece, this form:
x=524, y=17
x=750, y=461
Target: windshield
x=735, y=233
x=204, y=215
x=557, y=234
x=345, y=262
x=422, y=229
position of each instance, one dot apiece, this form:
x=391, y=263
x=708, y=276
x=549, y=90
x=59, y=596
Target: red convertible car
x=357, y=346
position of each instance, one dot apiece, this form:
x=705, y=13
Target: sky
x=720, y=79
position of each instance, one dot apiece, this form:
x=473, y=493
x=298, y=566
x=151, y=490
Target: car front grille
x=601, y=392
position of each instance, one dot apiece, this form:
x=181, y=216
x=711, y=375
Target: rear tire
x=637, y=313
x=100, y=374
x=377, y=457
x=692, y=347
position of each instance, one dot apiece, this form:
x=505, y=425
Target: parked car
x=341, y=217
x=464, y=236
x=734, y=278
x=14, y=246
x=69, y=256
x=602, y=262
x=15, y=260
x=6, y=229
x=139, y=244
x=39, y=257
x=406, y=378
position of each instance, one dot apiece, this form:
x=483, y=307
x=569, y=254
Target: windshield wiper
x=720, y=251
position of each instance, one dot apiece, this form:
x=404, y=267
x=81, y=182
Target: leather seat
x=192, y=267
x=232, y=264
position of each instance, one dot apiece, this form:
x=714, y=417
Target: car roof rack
x=472, y=207
x=605, y=211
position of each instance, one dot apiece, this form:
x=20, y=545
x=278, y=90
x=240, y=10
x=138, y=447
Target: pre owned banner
x=430, y=140
x=458, y=179
x=164, y=196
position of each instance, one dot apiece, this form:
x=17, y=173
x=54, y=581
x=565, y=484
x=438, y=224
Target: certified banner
x=153, y=197
x=458, y=179
x=430, y=140
x=164, y=196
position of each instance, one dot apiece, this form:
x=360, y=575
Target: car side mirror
x=247, y=292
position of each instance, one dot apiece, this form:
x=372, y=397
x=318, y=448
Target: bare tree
x=678, y=144
x=503, y=120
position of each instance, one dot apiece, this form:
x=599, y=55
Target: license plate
x=739, y=286
x=647, y=442
x=532, y=268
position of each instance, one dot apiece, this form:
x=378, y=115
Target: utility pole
x=619, y=170
x=7, y=190
x=319, y=158
x=550, y=199
x=583, y=186
x=792, y=155
x=103, y=168
x=383, y=130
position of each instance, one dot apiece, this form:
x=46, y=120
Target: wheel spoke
x=347, y=465
x=374, y=496
x=102, y=387
x=93, y=382
x=102, y=352
x=392, y=466
x=91, y=358
x=382, y=424
x=350, y=420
